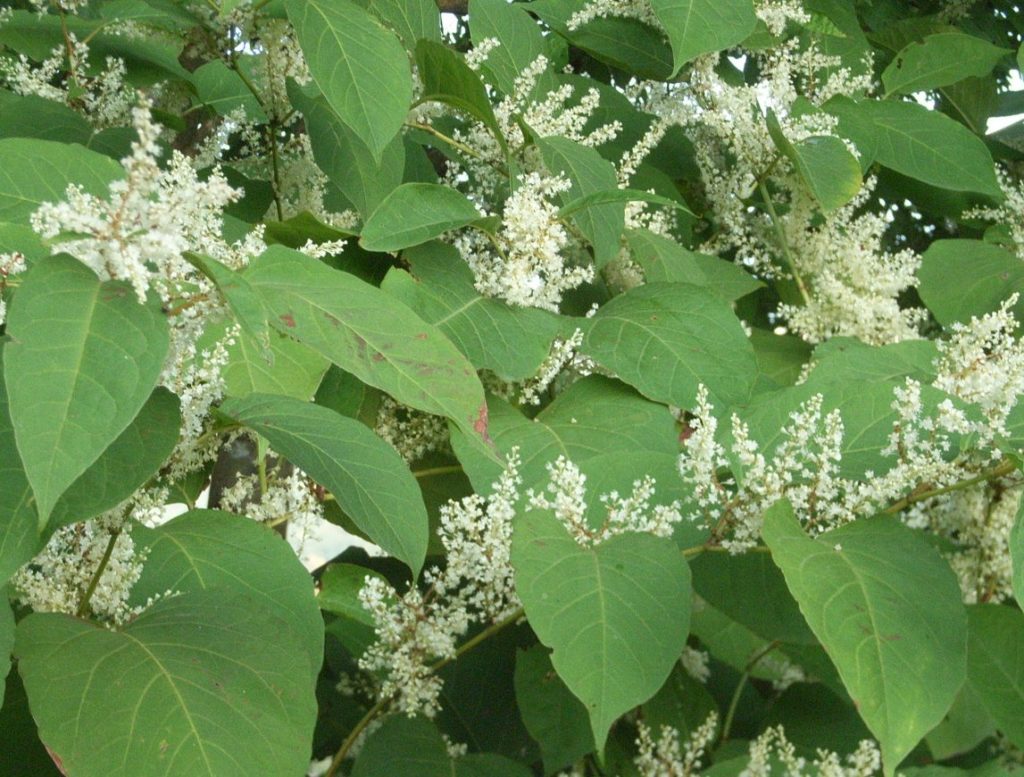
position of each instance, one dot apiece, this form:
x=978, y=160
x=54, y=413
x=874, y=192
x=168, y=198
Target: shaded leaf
x=365, y=475
x=995, y=665
x=940, y=60
x=415, y=213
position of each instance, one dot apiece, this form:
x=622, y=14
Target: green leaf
x=294, y=370
x=663, y=259
x=667, y=338
x=589, y=174
x=345, y=159
x=511, y=342
x=6, y=640
x=367, y=477
x=223, y=89
x=725, y=581
x=83, y=359
x=697, y=27
x=520, y=40
x=1016, y=554
x=995, y=665
x=368, y=333
x=448, y=79
x=31, y=116
x=918, y=143
x=593, y=417
x=824, y=163
x=624, y=43
x=245, y=303
x=618, y=195
x=415, y=213
x=125, y=466
x=36, y=171
x=615, y=615
x=359, y=65
x=940, y=60
x=887, y=609
x=411, y=19
x=210, y=549
x=959, y=279
x=193, y=686
x=404, y=747
x=19, y=525
x=553, y=716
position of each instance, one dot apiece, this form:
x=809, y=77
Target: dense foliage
x=663, y=353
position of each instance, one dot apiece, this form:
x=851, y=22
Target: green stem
x=486, y=634
x=730, y=715
x=431, y=471
x=83, y=605
x=783, y=243
x=353, y=735
x=1004, y=468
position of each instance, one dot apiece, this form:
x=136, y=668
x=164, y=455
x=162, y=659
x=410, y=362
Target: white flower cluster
x=475, y=587
x=411, y=432
x=524, y=262
x=772, y=745
x=1010, y=212
x=665, y=757
x=602, y=9
x=57, y=579
x=566, y=496
x=530, y=260
x=696, y=663
x=105, y=98
x=10, y=264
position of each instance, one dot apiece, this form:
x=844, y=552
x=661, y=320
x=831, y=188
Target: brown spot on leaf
x=335, y=321
x=480, y=424
x=289, y=320
x=420, y=336
x=57, y=760
x=378, y=357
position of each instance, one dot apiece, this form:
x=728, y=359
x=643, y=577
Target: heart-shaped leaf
x=206, y=684
x=83, y=359
x=615, y=615
x=887, y=608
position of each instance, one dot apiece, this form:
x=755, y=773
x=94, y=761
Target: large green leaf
x=699, y=26
x=918, y=143
x=207, y=683
x=36, y=171
x=511, y=342
x=126, y=465
x=31, y=116
x=83, y=359
x=345, y=158
x=411, y=19
x=367, y=477
x=19, y=526
x=593, y=417
x=589, y=174
x=824, y=163
x=940, y=60
x=448, y=79
x=415, y=213
x=615, y=615
x=520, y=40
x=359, y=65
x=887, y=608
x=413, y=747
x=995, y=665
x=205, y=549
x=293, y=369
x=372, y=335
x=959, y=279
x=667, y=338
x=553, y=716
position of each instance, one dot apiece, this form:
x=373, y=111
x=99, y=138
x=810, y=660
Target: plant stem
x=735, y=700
x=1002, y=469
x=448, y=469
x=487, y=633
x=83, y=605
x=353, y=735
x=783, y=243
